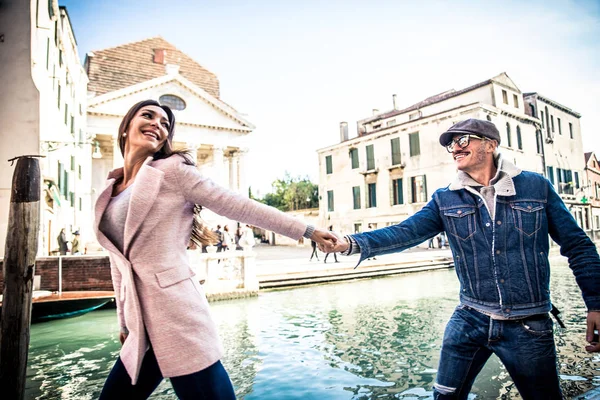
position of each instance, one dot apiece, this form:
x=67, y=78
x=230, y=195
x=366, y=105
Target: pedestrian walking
x=145, y=218
x=219, y=235
x=313, y=244
x=327, y=254
x=63, y=243
x=75, y=244
x=497, y=219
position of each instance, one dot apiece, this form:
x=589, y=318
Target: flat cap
x=471, y=127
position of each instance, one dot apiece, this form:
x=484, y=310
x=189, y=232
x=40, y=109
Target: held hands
x=326, y=240
x=593, y=324
x=339, y=243
x=122, y=337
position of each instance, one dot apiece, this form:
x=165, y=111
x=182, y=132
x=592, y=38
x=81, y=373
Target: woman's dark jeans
x=210, y=383
x=525, y=347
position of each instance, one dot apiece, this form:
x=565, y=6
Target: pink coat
x=158, y=300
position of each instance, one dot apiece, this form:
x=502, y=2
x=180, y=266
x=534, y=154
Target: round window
x=172, y=101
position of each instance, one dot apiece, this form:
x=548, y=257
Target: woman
x=145, y=218
x=227, y=239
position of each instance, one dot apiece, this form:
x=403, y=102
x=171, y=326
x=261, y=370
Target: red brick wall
x=78, y=273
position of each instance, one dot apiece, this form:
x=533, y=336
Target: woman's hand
x=123, y=337
x=325, y=239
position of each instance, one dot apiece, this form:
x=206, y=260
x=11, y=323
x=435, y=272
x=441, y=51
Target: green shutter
x=329, y=165
x=354, y=158
x=356, y=197
x=370, y=158
x=372, y=192
x=415, y=146
x=396, y=159
x=397, y=192
x=330, y=200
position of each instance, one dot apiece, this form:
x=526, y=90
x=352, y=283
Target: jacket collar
x=144, y=193
x=502, y=182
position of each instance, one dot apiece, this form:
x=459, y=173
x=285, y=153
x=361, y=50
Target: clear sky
x=298, y=68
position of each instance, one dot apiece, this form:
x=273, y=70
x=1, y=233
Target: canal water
x=368, y=339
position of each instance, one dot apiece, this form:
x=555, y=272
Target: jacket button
x=507, y=310
x=488, y=224
x=459, y=212
x=497, y=251
x=499, y=222
x=529, y=207
x=501, y=280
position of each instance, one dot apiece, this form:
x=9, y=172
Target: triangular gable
x=202, y=108
x=505, y=80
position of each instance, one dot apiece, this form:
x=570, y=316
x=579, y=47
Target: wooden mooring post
x=19, y=267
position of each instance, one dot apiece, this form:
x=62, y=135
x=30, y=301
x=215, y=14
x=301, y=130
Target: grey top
x=112, y=224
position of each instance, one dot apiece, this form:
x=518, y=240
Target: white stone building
x=564, y=157
x=391, y=169
x=43, y=109
x=154, y=69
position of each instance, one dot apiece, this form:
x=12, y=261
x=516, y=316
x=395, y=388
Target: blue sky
x=299, y=68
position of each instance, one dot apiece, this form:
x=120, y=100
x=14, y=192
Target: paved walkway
x=292, y=264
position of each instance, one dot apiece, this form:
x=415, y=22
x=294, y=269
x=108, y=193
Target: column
x=233, y=172
x=241, y=168
x=117, y=156
x=218, y=165
x=193, y=147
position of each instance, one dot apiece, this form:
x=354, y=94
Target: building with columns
x=214, y=131
x=42, y=108
x=390, y=170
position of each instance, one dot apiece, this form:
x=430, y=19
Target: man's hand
x=326, y=240
x=123, y=337
x=341, y=244
x=593, y=324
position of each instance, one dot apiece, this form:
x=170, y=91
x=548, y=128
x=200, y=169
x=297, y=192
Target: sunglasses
x=462, y=142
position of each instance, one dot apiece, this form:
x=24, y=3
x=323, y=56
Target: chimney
x=160, y=56
x=375, y=111
x=394, y=101
x=343, y=131
x=171, y=69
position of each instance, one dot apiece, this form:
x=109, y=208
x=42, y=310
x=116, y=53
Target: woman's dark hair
x=201, y=234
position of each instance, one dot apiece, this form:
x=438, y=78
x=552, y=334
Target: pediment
x=202, y=109
x=505, y=80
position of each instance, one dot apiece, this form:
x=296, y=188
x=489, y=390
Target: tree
x=292, y=194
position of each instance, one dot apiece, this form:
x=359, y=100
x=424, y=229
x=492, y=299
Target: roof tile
x=122, y=66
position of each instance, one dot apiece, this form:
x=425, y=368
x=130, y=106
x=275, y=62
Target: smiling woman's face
x=148, y=130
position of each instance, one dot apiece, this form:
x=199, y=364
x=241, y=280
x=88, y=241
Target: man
x=63, y=245
x=219, y=234
x=497, y=219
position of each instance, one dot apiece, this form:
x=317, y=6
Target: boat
x=48, y=306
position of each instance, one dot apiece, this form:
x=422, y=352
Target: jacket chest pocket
x=461, y=221
x=527, y=216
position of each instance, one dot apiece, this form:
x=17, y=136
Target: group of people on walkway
x=241, y=239
x=63, y=243
x=497, y=219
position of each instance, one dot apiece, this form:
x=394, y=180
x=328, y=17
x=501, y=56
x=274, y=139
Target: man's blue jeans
x=525, y=347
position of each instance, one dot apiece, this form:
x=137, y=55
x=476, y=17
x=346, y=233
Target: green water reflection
x=375, y=338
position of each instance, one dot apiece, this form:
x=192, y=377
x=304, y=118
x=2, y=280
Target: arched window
x=172, y=101
x=489, y=118
x=508, y=138
x=538, y=136
x=519, y=141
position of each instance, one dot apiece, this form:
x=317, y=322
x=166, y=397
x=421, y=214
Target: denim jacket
x=502, y=263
